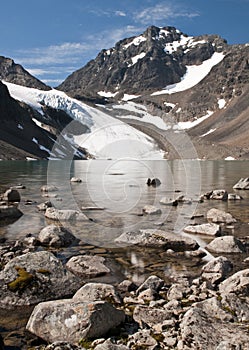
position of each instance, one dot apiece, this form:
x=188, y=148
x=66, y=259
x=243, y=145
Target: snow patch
x=136, y=41
x=191, y=124
x=128, y=97
x=207, y=133
x=229, y=158
x=193, y=75
x=221, y=103
x=136, y=58
x=172, y=105
x=20, y=126
x=107, y=94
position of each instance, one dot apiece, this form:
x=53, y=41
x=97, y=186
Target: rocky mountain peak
x=16, y=74
x=156, y=58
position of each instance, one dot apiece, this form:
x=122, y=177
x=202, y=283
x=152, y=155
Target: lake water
x=120, y=187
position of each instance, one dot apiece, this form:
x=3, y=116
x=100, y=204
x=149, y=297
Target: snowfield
x=108, y=137
x=193, y=75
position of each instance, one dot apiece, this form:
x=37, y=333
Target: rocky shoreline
x=69, y=305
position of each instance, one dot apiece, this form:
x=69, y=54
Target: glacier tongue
x=108, y=137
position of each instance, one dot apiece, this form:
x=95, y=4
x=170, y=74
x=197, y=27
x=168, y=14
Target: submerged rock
x=151, y=210
x=72, y=320
x=88, y=266
x=49, y=188
x=9, y=211
x=219, y=216
x=65, y=215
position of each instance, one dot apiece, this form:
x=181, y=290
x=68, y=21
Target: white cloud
x=120, y=13
x=161, y=12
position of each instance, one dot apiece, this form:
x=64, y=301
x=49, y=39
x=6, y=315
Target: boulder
x=219, y=195
x=44, y=206
x=153, y=182
x=75, y=180
x=87, y=266
x=206, y=325
x=108, y=345
x=97, y=291
x=34, y=277
x=220, y=216
x=167, y=201
x=62, y=345
x=157, y=239
x=56, y=236
x=10, y=212
x=226, y=244
x=72, y=320
x=152, y=282
x=11, y=196
x=216, y=270
x=150, y=316
x=142, y=340
x=242, y=184
x=151, y=210
x=203, y=229
x=238, y=284
x=234, y=197
x=49, y=188
x=64, y=215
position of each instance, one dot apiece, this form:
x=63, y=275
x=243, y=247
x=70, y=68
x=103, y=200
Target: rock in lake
x=11, y=196
x=49, y=188
x=153, y=182
x=72, y=320
x=56, y=236
x=219, y=195
x=75, y=180
x=203, y=229
x=226, y=244
x=34, y=277
x=88, y=266
x=151, y=210
x=9, y=211
x=44, y=206
x=220, y=216
x=242, y=184
x=65, y=215
x=157, y=239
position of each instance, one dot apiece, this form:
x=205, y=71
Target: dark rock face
x=150, y=61
x=16, y=74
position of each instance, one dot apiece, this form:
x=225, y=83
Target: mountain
x=189, y=94
x=16, y=74
x=148, y=62
x=195, y=84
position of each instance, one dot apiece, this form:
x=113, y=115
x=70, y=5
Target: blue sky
x=52, y=38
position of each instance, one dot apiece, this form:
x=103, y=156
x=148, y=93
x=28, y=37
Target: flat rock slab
x=220, y=216
x=203, y=229
x=65, y=215
x=242, y=184
x=88, y=266
x=157, y=239
x=70, y=320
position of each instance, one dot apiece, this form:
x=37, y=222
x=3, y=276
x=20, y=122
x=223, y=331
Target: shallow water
x=120, y=187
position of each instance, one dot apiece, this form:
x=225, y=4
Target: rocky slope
x=16, y=74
